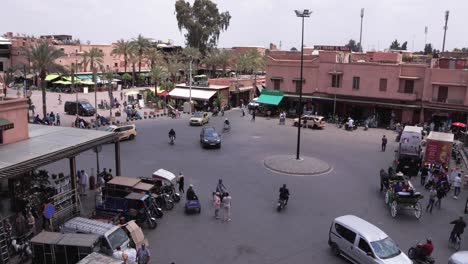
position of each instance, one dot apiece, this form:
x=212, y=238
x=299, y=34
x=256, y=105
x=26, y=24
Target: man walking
x=457, y=182
x=58, y=119
x=227, y=207
x=253, y=114
x=83, y=182
x=217, y=204
x=143, y=255
x=181, y=181
x=432, y=197
x=384, y=143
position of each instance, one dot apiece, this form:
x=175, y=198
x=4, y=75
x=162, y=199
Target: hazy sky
x=253, y=23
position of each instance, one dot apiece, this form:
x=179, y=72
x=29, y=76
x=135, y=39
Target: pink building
x=377, y=86
x=242, y=88
x=13, y=120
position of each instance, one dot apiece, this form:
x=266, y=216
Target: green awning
x=85, y=77
x=62, y=82
x=50, y=77
x=270, y=97
x=6, y=124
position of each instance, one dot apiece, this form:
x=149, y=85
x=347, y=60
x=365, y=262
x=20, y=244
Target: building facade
x=381, y=87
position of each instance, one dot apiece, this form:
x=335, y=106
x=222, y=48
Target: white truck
x=408, y=155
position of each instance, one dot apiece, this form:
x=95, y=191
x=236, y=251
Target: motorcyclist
x=284, y=194
x=220, y=188
x=226, y=123
x=425, y=250
x=172, y=133
x=458, y=228
x=191, y=194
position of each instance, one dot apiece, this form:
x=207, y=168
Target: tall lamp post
x=445, y=29
x=301, y=14
x=360, y=34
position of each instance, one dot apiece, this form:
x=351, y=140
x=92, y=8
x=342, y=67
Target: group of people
x=50, y=119
x=222, y=201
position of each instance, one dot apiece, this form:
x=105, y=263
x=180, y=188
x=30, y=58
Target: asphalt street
x=257, y=233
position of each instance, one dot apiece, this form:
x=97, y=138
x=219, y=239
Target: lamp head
x=362, y=12
x=305, y=13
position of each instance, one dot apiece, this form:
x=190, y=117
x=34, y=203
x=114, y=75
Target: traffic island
x=288, y=164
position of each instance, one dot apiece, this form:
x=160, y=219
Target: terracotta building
x=384, y=87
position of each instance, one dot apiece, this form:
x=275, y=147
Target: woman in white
x=227, y=207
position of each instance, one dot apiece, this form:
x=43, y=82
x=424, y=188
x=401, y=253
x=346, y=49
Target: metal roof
x=47, y=144
x=439, y=136
x=369, y=231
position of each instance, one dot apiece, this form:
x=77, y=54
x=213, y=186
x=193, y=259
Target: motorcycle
x=281, y=204
x=21, y=246
x=226, y=128
x=164, y=201
x=414, y=253
x=172, y=139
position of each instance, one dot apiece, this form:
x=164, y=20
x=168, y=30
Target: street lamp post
x=445, y=29
x=360, y=34
x=301, y=14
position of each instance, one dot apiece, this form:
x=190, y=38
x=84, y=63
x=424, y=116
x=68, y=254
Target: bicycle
x=455, y=241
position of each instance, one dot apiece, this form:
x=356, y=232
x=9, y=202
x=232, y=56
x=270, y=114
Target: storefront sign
x=332, y=48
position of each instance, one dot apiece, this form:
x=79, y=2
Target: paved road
x=257, y=233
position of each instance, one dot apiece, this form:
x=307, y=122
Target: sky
x=253, y=22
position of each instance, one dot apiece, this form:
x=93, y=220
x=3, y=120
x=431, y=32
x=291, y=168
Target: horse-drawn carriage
x=400, y=193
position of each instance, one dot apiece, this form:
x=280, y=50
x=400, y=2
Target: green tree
x=154, y=57
x=133, y=60
x=157, y=73
x=211, y=61
x=191, y=55
x=95, y=57
x=140, y=45
x=202, y=21
x=42, y=57
x=353, y=45
x=395, y=45
x=224, y=59
x=428, y=49
x=404, y=45
x=122, y=48
x=108, y=75
x=174, y=65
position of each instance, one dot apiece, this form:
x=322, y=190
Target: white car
x=460, y=257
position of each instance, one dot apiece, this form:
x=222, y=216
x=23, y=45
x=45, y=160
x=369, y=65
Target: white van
x=361, y=242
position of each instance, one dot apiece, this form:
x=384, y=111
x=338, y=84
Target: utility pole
x=190, y=84
x=445, y=29
x=360, y=34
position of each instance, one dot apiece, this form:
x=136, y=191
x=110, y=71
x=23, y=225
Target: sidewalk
x=68, y=120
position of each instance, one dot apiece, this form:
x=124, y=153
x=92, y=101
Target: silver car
x=361, y=242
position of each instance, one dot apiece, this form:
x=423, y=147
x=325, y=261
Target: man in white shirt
x=457, y=183
x=83, y=182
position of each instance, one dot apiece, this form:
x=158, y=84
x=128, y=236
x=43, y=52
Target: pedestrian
x=384, y=143
x=217, y=204
x=60, y=99
x=98, y=195
x=227, y=207
x=243, y=112
x=20, y=223
x=120, y=255
x=121, y=96
x=31, y=221
x=82, y=125
x=181, y=181
x=253, y=114
x=440, y=194
x=58, y=119
x=457, y=183
x=83, y=182
x=52, y=118
x=432, y=197
x=143, y=255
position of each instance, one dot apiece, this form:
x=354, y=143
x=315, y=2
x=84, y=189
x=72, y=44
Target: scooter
x=172, y=139
x=281, y=204
x=414, y=253
x=226, y=128
x=21, y=246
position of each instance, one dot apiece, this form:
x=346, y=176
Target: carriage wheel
x=394, y=209
x=387, y=197
x=417, y=210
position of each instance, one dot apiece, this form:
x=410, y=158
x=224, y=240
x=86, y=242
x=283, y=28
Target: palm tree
x=211, y=60
x=108, y=75
x=157, y=73
x=174, y=64
x=154, y=57
x=122, y=48
x=42, y=57
x=224, y=59
x=133, y=59
x=140, y=44
x=95, y=57
x=84, y=61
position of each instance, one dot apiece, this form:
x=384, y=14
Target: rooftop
x=209, y=87
x=47, y=144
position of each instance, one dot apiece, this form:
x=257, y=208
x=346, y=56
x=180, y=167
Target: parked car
x=210, y=137
x=199, y=118
x=362, y=242
x=313, y=121
x=84, y=108
x=253, y=104
x=460, y=257
x=124, y=131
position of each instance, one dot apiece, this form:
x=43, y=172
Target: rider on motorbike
x=458, y=228
x=172, y=133
x=425, y=250
x=284, y=194
x=227, y=124
x=191, y=194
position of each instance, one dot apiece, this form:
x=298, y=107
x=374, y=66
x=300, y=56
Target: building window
x=356, y=81
x=383, y=85
x=442, y=94
x=116, y=64
x=409, y=86
x=276, y=84
x=62, y=49
x=336, y=80
x=1, y=66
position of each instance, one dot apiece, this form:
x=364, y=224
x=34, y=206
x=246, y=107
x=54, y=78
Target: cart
x=120, y=186
x=403, y=200
x=164, y=182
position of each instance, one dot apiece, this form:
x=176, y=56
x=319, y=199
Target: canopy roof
x=51, y=77
x=271, y=97
x=164, y=174
x=47, y=144
x=196, y=94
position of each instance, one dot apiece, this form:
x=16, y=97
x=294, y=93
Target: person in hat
x=191, y=193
